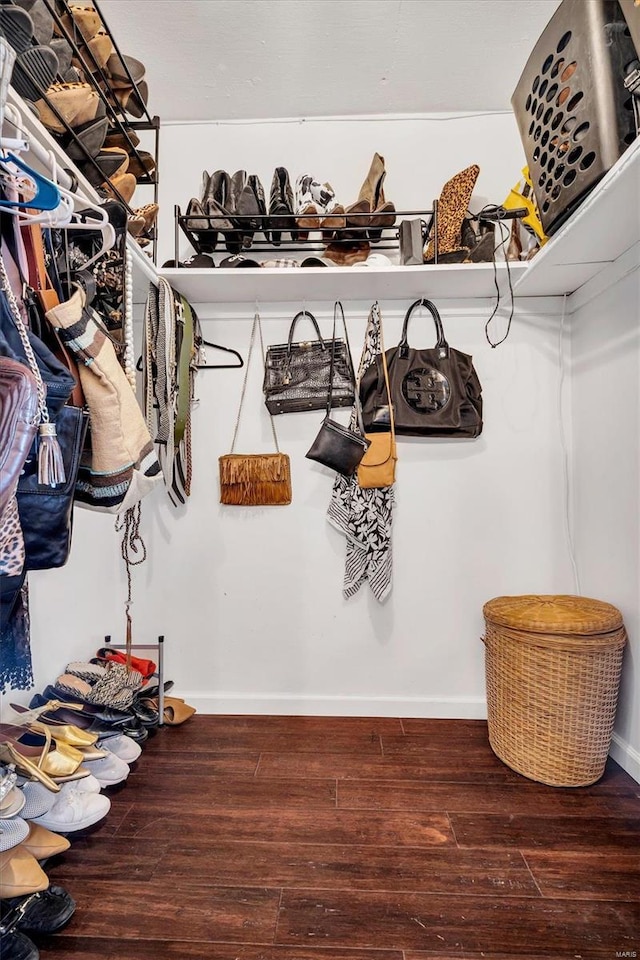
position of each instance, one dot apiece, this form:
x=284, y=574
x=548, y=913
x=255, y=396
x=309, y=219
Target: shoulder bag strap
x=441, y=343
x=257, y=325
x=392, y=422
x=357, y=405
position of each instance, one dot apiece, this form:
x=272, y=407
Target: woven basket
x=553, y=668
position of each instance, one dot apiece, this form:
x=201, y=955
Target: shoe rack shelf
x=40, y=144
x=597, y=245
x=270, y=284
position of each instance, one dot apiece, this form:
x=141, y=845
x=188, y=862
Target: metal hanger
x=216, y=346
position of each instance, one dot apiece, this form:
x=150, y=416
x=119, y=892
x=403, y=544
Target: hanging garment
x=365, y=515
x=171, y=330
x=123, y=467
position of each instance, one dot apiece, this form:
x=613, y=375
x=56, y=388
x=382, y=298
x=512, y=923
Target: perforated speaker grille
x=574, y=115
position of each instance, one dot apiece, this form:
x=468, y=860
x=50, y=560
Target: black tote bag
x=435, y=392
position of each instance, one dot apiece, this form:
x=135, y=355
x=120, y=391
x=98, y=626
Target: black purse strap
x=304, y=313
x=357, y=405
x=441, y=343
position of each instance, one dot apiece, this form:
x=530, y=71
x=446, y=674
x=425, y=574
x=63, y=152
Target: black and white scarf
x=365, y=516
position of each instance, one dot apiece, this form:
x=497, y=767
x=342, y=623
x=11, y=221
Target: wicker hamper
x=553, y=670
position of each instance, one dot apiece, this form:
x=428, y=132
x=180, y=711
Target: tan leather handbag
x=378, y=466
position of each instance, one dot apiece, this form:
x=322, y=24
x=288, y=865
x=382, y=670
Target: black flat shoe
x=44, y=912
x=15, y=946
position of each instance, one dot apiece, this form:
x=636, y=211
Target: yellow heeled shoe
x=25, y=767
x=65, y=732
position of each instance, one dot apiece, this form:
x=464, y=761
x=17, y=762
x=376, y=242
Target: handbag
x=434, y=392
x=254, y=479
x=44, y=506
x=378, y=466
x=296, y=375
x=335, y=446
x=411, y=237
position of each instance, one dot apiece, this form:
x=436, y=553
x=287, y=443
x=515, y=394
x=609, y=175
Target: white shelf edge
x=544, y=260
x=270, y=284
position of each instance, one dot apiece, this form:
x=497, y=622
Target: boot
x=281, y=207
x=382, y=210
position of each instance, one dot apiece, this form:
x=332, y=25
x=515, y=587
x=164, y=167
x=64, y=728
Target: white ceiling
x=245, y=59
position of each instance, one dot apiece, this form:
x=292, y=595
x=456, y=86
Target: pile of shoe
x=77, y=738
x=235, y=207
x=67, y=70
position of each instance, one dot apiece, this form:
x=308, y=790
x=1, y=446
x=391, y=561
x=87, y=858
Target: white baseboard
x=624, y=754
x=452, y=708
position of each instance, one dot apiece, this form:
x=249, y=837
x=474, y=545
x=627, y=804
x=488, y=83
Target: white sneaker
x=39, y=799
x=123, y=747
x=74, y=810
x=109, y=770
x=12, y=832
x=86, y=785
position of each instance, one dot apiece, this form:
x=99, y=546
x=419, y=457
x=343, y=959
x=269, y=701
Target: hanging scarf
x=365, y=517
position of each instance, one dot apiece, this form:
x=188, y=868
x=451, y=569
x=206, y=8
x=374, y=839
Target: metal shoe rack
x=204, y=241
x=118, y=119
x=159, y=647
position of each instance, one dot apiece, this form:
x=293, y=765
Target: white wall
x=250, y=599
x=605, y=342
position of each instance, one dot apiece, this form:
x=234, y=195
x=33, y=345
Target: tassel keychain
x=51, y=470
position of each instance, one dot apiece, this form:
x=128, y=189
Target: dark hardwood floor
x=284, y=838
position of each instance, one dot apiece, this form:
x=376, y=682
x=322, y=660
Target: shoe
x=357, y=220
x=281, y=216
x=514, y=250
x=116, y=138
x=75, y=810
x=25, y=766
x=13, y=800
x=86, y=785
x=16, y=26
x=142, y=165
x=133, y=100
x=452, y=209
x=91, y=135
x=307, y=213
x=108, y=771
x=123, y=747
x=110, y=162
x=34, y=71
x=382, y=210
x=12, y=833
x=334, y=221
x=15, y=946
x=148, y=215
x=20, y=874
x=480, y=247
x=85, y=19
x=63, y=52
x=42, y=843
x=77, y=104
x=44, y=912
x=120, y=187
x=257, y=189
x=38, y=799
x=118, y=71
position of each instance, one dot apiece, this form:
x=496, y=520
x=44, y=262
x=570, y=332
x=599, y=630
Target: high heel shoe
x=38, y=722
x=452, y=209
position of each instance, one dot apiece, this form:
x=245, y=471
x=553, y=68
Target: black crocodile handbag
x=297, y=375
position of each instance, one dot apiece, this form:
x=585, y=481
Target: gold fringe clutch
x=255, y=479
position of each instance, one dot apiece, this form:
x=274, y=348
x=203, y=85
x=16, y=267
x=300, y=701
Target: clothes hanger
x=47, y=193
x=201, y=342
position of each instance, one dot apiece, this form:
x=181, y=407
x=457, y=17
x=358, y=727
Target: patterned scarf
x=364, y=516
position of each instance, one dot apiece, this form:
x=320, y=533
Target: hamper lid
x=553, y=614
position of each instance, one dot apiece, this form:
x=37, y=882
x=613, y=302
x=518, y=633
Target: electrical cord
x=565, y=456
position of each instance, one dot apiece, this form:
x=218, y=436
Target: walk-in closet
x=319, y=479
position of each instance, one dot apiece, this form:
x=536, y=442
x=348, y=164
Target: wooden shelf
x=269, y=284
